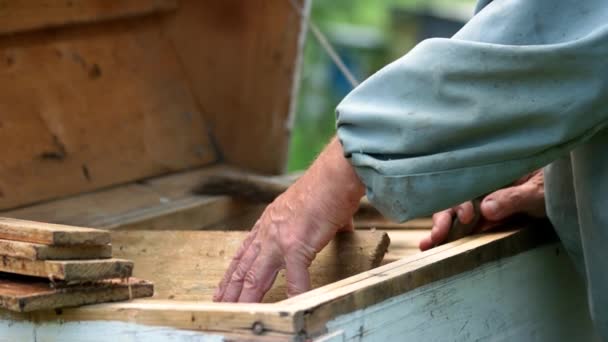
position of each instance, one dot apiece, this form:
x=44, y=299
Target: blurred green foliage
x=354, y=21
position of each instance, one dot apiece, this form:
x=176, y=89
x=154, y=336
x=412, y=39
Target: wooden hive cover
x=96, y=93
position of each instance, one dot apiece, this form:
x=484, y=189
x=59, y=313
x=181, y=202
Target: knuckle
x=251, y=280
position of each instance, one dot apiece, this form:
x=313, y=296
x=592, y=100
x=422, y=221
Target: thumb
x=506, y=202
x=349, y=227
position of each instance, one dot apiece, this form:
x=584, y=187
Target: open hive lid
x=97, y=93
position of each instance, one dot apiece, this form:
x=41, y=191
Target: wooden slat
x=30, y=294
x=399, y=277
x=51, y=234
x=35, y=251
x=189, y=265
x=190, y=315
x=88, y=108
x=27, y=15
x=68, y=270
x=161, y=203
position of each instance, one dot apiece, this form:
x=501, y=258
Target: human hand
x=293, y=229
x=526, y=196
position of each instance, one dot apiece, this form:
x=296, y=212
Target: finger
x=219, y=292
x=298, y=279
x=526, y=198
x=235, y=283
x=349, y=227
x=260, y=278
x=439, y=219
x=441, y=226
x=465, y=212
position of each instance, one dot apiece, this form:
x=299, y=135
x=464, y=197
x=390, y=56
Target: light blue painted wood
x=97, y=331
x=533, y=296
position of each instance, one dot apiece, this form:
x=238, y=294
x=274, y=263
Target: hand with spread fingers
x=526, y=196
x=293, y=229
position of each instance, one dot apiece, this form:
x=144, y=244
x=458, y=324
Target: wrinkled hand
x=293, y=229
x=526, y=196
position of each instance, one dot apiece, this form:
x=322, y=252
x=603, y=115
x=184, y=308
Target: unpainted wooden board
x=36, y=251
x=27, y=15
x=68, y=270
x=243, y=73
x=29, y=294
x=189, y=265
x=163, y=203
x=51, y=234
x=91, y=107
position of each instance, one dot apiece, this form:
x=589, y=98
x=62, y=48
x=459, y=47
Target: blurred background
x=367, y=35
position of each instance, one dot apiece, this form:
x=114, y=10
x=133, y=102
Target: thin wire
x=326, y=45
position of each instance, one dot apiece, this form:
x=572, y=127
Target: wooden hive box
x=112, y=111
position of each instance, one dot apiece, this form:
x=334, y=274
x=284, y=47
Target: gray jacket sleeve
x=520, y=85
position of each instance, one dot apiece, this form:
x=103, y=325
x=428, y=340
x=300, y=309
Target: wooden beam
x=368, y=288
x=35, y=251
x=51, y=234
x=188, y=265
x=159, y=203
x=27, y=15
x=68, y=270
x=29, y=294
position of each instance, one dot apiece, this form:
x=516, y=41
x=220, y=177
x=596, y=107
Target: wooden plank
x=405, y=275
x=161, y=203
x=35, y=251
x=269, y=37
x=27, y=15
x=535, y=296
x=235, y=318
x=23, y=294
x=189, y=265
x=94, y=107
x=51, y=234
x=68, y=270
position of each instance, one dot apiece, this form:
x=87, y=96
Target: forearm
x=332, y=183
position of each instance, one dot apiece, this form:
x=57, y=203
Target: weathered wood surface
x=50, y=234
x=24, y=294
x=189, y=265
x=254, y=87
x=67, y=127
x=68, y=270
x=27, y=15
x=292, y=317
x=374, y=286
x=534, y=296
x=35, y=251
x=164, y=202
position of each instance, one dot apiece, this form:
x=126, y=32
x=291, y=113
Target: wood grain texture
x=371, y=287
x=242, y=59
x=534, y=296
x=27, y=15
x=92, y=107
x=35, y=251
x=51, y=234
x=163, y=203
x=68, y=270
x=189, y=265
x=30, y=294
